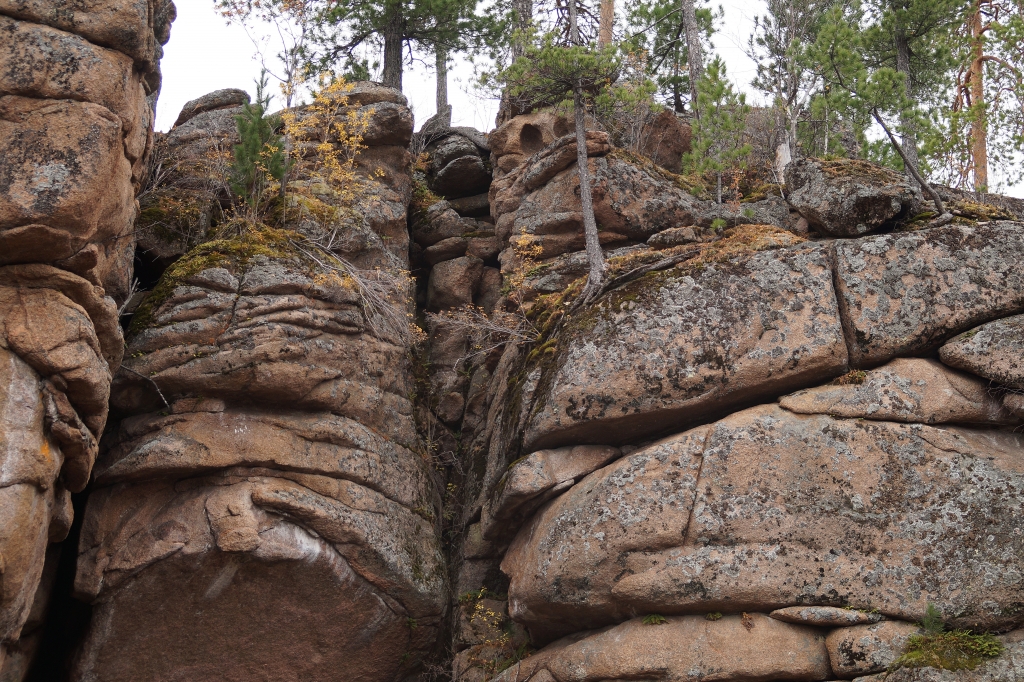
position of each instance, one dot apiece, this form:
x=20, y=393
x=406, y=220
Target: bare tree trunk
x=393, y=49
x=595, y=258
x=912, y=168
x=979, y=132
x=908, y=128
x=441, y=67
x=695, y=56
x=604, y=33
x=524, y=19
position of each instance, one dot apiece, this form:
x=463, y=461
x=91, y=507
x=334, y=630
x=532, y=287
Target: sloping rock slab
x=752, y=648
x=681, y=346
x=994, y=351
x=849, y=198
x=906, y=293
x=767, y=509
x=906, y=390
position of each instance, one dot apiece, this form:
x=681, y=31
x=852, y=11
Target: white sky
x=205, y=54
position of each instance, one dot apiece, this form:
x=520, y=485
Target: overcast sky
x=205, y=54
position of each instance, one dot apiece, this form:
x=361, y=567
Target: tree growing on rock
x=718, y=131
x=259, y=158
x=569, y=74
x=868, y=90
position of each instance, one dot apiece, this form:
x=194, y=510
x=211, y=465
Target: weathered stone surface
x=1014, y=402
x=906, y=293
x=29, y=463
x=674, y=236
x=368, y=92
x=333, y=569
x=681, y=346
x=218, y=99
x=767, y=509
x=475, y=206
x=65, y=186
x=441, y=222
x=668, y=138
x=1006, y=668
x=865, y=649
x=753, y=647
x=388, y=124
x=824, y=616
x=266, y=332
x=905, y=390
x=465, y=176
x=526, y=135
x=446, y=249
x=994, y=351
x=849, y=198
x=135, y=27
x=453, y=283
x=539, y=476
x=43, y=62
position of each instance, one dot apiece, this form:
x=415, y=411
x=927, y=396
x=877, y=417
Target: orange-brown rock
x=682, y=346
x=865, y=649
x=751, y=647
x=904, y=390
x=734, y=516
x=906, y=293
x=994, y=351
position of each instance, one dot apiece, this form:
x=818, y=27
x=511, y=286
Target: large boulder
x=77, y=86
x=767, y=509
x=994, y=351
x=458, y=167
x=906, y=293
x=684, y=345
x=264, y=471
x=849, y=198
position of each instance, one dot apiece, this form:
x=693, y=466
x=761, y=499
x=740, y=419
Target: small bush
x=713, y=616
x=654, y=619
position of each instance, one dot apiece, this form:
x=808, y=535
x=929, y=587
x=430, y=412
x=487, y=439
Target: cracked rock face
x=265, y=473
x=76, y=94
x=731, y=517
x=994, y=351
x=686, y=344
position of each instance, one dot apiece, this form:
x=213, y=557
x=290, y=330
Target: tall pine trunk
x=908, y=127
x=441, y=67
x=694, y=54
x=979, y=132
x=604, y=33
x=392, y=76
x=524, y=19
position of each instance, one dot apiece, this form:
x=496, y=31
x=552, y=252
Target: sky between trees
x=206, y=54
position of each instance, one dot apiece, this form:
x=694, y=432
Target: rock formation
x=785, y=433
x=77, y=89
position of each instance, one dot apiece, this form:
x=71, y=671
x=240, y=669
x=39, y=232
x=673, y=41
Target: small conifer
x=259, y=158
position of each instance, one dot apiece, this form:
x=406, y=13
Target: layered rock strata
x=266, y=482
x=77, y=89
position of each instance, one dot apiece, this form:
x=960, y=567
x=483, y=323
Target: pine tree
x=561, y=73
x=866, y=89
x=776, y=46
x=658, y=29
x=259, y=158
x=717, y=142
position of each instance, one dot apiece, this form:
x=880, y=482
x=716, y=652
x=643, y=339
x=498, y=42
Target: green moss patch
x=231, y=252
x=953, y=650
